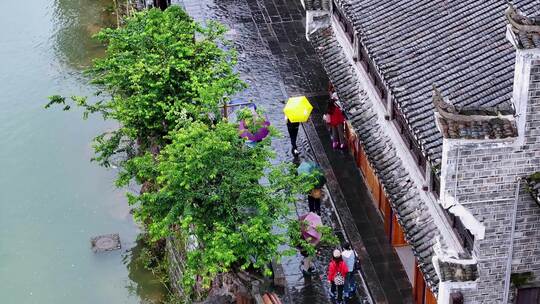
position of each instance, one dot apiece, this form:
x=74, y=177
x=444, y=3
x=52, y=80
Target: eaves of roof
x=412, y=213
x=403, y=195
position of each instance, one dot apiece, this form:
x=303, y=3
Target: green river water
x=52, y=198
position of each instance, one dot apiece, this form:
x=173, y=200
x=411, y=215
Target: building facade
x=443, y=107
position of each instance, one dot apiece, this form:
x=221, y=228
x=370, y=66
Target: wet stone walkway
x=277, y=62
x=381, y=266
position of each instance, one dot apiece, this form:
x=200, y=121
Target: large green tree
x=209, y=182
x=160, y=69
x=166, y=77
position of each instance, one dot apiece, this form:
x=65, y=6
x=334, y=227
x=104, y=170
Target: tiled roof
x=455, y=272
x=458, y=45
x=526, y=29
x=314, y=5
x=473, y=123
x=419, y=229
x=533, y=186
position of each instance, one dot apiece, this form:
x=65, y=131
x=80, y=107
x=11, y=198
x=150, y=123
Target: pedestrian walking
x=293, y=127
x=349, y=257
x=314, y=201
x=337, y=270
x=335, y=119
x=307, y=263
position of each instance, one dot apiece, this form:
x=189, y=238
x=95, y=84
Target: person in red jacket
x=337, y=271
x=335, y=118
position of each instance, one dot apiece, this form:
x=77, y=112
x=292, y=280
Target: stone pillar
x=318, y=15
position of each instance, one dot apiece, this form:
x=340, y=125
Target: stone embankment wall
x=176, y=264
x=226, y=288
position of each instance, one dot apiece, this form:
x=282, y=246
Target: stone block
x=107, y=242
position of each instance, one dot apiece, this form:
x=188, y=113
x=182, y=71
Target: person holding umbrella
x=314, y=201
x=312, y=170
x=309, y=224
x=297, y=110
x=293, y=127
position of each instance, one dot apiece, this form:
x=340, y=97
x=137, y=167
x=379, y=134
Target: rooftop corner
x=481, y=123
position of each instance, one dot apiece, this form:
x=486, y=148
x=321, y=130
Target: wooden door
x=352, y=140
x=373, y=184
x=363, y=163
x=398, y=237
x=419, y=287
x=357, y=154
x=430, y=298
x=528, y=296
x=386, y=212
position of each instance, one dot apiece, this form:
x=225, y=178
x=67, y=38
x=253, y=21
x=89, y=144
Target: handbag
x=326, y=118
x=339, y=279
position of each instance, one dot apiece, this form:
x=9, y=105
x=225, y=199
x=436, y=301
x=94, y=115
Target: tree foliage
x=160, y=69
x=210, y=183
x=166, y=76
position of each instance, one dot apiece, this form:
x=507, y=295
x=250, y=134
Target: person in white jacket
x=349, y=257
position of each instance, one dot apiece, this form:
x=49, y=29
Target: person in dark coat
x=293, y=127
x=314, y=201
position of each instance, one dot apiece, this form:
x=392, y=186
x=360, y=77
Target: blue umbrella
x=312, y=168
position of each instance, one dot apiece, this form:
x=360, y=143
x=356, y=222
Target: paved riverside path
x=381, y=267
x=277, y=62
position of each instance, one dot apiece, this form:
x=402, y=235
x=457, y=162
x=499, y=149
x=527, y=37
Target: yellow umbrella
x=298, y=109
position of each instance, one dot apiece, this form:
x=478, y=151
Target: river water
x=52, y=198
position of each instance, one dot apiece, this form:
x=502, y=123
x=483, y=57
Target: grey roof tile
x=314, y=5
x=471, y=124
x=405, y=200
x=457, y=272
x=393, y=176
x=525, y=28
x=458, y=45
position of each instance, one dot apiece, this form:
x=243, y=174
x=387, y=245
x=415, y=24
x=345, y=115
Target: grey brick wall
x=482, y=176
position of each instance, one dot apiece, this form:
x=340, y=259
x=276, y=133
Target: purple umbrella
x=259, y=135
x=309, y=223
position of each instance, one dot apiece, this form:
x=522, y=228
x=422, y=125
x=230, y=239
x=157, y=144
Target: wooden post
x=225, y=114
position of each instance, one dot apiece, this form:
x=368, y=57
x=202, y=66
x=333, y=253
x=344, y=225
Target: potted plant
x=253, y=124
